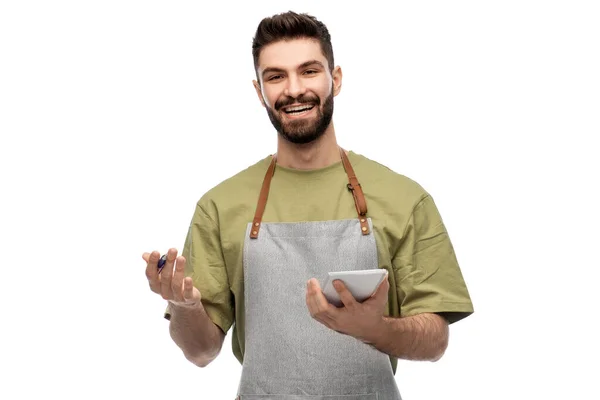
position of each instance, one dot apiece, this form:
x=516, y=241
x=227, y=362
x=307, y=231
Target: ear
x=259, y=92
x=337, y=80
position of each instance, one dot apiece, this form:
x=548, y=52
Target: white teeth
x=298, y=108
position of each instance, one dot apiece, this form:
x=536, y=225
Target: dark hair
x=290, y=25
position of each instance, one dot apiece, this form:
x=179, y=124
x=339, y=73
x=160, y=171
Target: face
x=297, y=88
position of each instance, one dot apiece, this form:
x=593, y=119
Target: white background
x=116, y=116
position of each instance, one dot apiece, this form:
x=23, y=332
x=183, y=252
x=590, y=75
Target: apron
x=288, y=354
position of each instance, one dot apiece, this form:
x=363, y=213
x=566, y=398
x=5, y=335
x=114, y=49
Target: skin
x=191, y=329
x=289, y=71
x=284, y=76
x=422, y=337
x=294, y=72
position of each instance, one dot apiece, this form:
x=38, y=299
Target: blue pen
x=161, y=262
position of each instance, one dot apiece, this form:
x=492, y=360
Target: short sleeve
x=205, y=264
x=429, y=279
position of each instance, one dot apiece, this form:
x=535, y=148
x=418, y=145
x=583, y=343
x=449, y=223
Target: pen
x=161, y=262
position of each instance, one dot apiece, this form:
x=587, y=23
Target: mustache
x=286, y=101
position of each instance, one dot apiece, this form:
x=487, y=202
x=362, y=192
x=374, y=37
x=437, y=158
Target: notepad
x=362, y=284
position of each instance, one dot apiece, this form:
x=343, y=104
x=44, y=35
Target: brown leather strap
x=353, y=186
x=357, y=193
x=262, y=199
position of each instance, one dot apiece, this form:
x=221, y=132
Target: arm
x=429, y=286
x=199, y=328
x=427, y=282
x=422, y=337
x=195, y=334
x=190, y=326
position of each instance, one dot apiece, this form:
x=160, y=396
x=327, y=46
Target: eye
x=274, y=78
x=310, y=72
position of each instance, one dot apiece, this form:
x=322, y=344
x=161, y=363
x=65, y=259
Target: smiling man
x=298, y=97
x=260, y=243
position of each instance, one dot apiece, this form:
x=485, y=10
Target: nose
x=294, y=87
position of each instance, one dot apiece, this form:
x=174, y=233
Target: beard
x=302, y=131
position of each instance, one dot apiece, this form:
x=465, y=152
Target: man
x=260, y=242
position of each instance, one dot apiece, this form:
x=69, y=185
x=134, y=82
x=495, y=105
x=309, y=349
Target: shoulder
x=381, y=181
x=229, y=192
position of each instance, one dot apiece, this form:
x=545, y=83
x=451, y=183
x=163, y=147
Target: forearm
x=422, y=337
x=195, y=334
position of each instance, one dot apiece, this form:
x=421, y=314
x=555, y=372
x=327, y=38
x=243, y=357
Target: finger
x=319, y=299
x=151, y=272
x=381, y=294
x=384, y=286
x=347, y=299
x=309, y=300
x=325, y=311
x=166, y=275
x=188, y=289
x=178, y=276
x=320, y=308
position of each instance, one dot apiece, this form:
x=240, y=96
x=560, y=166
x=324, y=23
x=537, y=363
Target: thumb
x=383, y=288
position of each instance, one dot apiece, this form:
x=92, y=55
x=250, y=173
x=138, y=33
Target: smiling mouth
x=298, y=110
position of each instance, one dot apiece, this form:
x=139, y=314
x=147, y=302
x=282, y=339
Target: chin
x=302, y=137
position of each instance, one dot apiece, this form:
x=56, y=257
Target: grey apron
x=288, y=354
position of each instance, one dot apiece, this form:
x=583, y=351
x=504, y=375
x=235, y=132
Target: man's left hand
x=360, y=320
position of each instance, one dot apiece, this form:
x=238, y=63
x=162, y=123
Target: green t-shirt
x=412, y=242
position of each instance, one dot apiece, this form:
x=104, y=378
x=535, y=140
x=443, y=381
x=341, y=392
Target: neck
x=318, y=154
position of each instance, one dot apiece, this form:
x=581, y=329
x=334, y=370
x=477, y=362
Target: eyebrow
x=303, y=65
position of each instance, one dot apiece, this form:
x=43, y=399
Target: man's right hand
x=171, y=283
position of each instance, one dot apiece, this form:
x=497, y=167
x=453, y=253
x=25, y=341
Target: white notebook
x=362, y=284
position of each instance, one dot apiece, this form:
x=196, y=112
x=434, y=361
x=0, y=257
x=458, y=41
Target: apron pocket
x=369, y=396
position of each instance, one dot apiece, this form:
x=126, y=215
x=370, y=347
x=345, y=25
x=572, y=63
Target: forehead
x=288, y=54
